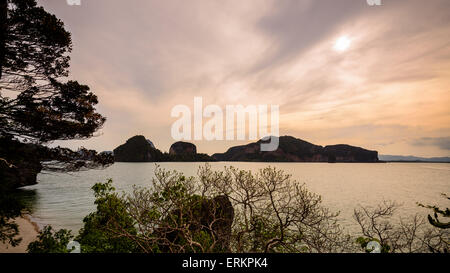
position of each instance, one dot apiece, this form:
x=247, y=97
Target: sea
x=62, y=200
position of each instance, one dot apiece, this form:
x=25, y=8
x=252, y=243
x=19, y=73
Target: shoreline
x=34, y=224
x=28, y=231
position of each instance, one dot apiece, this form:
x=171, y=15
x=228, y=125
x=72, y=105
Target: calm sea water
x=62, y=200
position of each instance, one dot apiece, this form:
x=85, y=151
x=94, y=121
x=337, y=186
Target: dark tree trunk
x=3, y=28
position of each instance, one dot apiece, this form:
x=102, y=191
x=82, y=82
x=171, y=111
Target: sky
x=341, y=71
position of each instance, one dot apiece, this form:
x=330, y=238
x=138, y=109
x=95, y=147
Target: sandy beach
x=28, y=231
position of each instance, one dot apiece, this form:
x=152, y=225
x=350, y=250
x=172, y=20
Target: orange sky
x=387, y=88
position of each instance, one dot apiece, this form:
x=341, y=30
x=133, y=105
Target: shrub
x=51, y=242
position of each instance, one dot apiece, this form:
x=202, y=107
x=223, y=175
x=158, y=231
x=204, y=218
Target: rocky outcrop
x=140, y=149
x=186, y=152
x=182, y=148
x=19, y=164
x=137, y=149
x=292, y=149
x=347, y=153
x=151, y=143
x=219, y=214
x=211, y=216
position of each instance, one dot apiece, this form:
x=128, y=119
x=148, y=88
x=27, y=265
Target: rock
x=151, y=143
x=186, y=152
x=182, y=148
x=17, y=175
x=347, y=153
x=213, y=216
x=137, y=149
x=219, y=213
x=19, y=164
x=292, y=149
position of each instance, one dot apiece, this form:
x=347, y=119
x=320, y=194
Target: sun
x=342, y=44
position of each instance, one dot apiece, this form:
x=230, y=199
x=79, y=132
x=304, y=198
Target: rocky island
x=137, y=149
x=292, y=149
x=140, y=149
x=182, y=148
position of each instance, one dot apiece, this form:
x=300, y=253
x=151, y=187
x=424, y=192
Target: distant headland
x=410, y=158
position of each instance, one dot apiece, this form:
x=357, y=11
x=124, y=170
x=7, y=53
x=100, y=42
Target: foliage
x=410, y=235
x=37, y=105
x=51, y=242
x=166, y=217
x=363, y=242
x=10, y=208
x=267, y=212
x=275, y=213
x=99, y=231
x=238, y=211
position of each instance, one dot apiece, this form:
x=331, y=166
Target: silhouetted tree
x=37, y=105
x=3, y=13
x=404, y=235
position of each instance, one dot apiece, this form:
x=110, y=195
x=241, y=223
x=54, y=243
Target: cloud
x=296, y=26
x=143, y=57
x=441, y=142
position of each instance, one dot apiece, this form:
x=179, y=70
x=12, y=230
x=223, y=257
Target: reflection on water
x=63, y=200
x=28, y=198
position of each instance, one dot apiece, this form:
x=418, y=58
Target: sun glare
x=342, y=44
